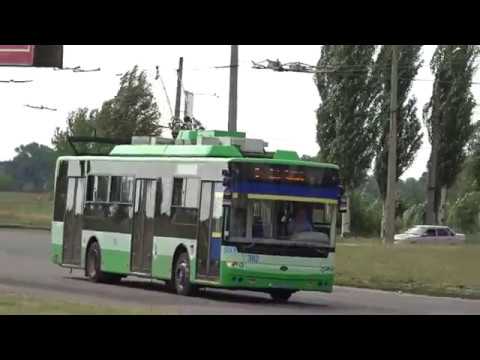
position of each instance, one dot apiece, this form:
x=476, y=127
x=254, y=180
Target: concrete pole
x=430, y=209
x=179, y=89
x=392, y=154
x=232, y=106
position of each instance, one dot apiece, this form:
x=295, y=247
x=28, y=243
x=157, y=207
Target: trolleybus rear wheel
x=181, y=276
x=93, y=262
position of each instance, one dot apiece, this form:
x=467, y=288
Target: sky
x=276, y=107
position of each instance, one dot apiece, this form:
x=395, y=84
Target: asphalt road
x=25, y=268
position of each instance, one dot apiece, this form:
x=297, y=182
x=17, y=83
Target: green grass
x=25, y=209
x=473, y=239
x=431, y=270
x=16, y=304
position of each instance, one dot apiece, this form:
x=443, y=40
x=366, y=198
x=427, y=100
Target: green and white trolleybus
x=210, y=209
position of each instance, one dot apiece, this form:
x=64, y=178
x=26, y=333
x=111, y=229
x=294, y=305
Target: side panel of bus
x=60, y=201
x=176, y=205
x=68, y=212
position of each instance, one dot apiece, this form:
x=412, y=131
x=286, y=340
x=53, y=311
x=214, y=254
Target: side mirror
x=342, y=205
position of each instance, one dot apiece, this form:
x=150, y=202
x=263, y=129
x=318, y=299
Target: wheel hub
x=92, y=266
x=181, y=275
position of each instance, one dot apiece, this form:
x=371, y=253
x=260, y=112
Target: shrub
x=464, y=214
x=366, y=215
x=413, y=215
x=6, y=182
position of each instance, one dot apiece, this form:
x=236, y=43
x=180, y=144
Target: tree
x=132, y=112
x=366, y=214
x=412, y=191
x=7, y=182
x=188, y=123
x=448, y=116
x=370, y=188
x=345, y=133
x=464, y=213
x=409, y=136
x=79, y=123
x=33, y=167
x=472, y=164
x=414, y=215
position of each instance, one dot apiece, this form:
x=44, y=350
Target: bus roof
x=190, y=148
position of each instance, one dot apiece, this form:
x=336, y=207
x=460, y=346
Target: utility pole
x=179, y=89
x=430, y=208
x=232, y=106
x=392, y=154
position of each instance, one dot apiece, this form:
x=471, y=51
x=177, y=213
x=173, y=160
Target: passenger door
x=73, y=222
x=210, y=224
x=143, y=226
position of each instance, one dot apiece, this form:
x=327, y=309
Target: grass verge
x=26, y=209
x=420, y=269
x=17, y=304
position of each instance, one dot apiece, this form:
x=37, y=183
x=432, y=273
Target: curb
x=24, y=227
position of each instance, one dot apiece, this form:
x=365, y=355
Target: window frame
x=175, y=208
x=447, y=232
x=249, y=222
x=95, y=189
x=109, y=188
x=427, y=234
x=110, y=193
x=131, y=193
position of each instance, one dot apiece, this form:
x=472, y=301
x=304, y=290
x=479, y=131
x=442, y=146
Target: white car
x=426, y=234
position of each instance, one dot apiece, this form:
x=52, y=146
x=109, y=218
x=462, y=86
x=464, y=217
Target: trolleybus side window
x=126, y=193
x=217, y=212
x=185, y=197
x=158, y=199
x=178, y=196
x=102, y=189
x=121, y=189
x=115, y=188
x=61, y=191
x=90, y=187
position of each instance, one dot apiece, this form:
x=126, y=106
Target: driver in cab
x=300, y=222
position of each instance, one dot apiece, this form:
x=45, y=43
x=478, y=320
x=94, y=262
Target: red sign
x=16, y=55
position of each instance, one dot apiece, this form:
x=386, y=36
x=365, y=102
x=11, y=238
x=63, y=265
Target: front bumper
x=275, y=279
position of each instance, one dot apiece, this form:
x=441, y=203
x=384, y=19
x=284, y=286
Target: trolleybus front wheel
x=281, y=295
